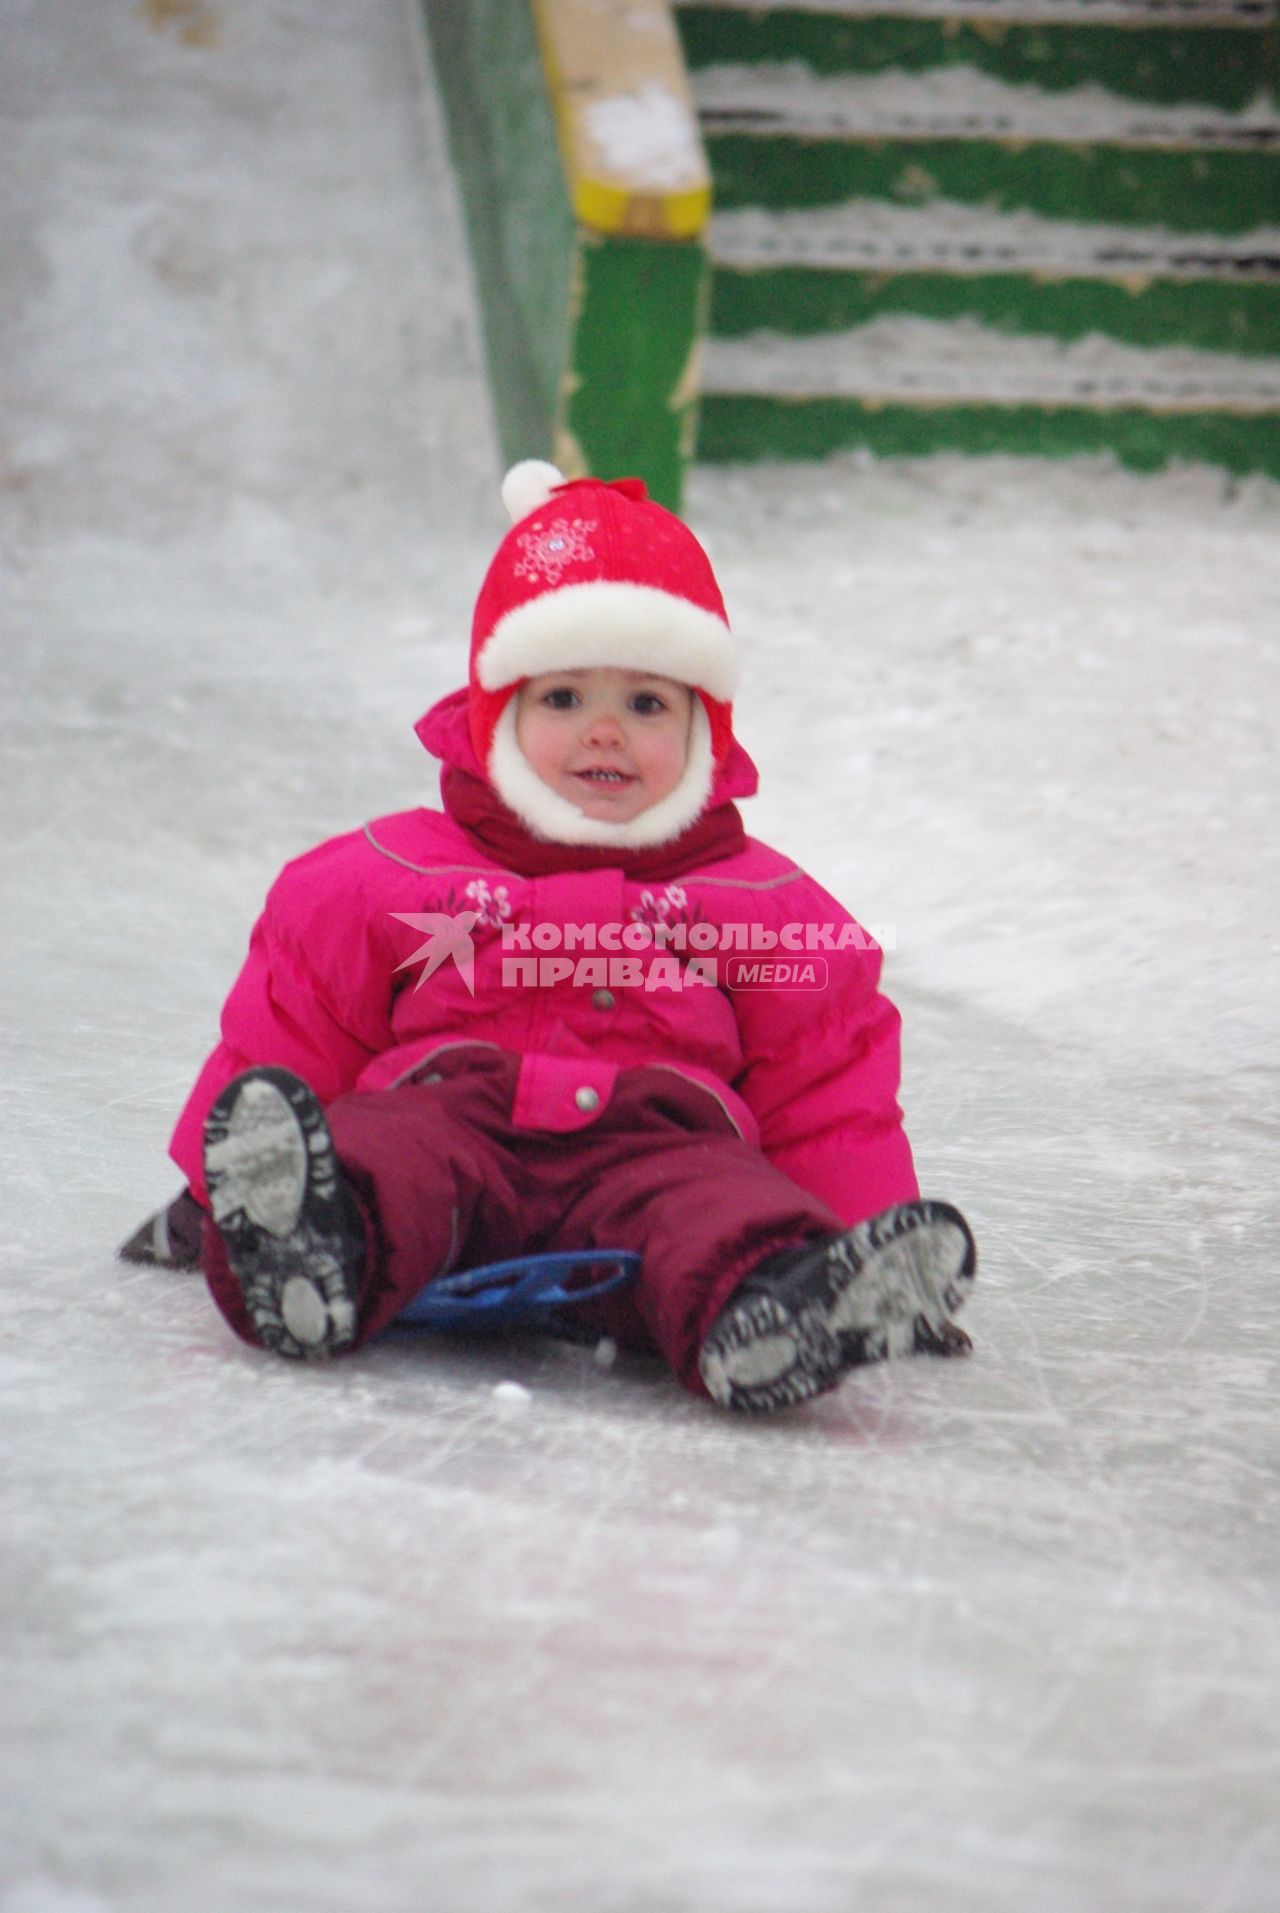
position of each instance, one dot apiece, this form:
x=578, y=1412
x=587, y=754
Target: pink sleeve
x=822, y=1078
x=312, y=997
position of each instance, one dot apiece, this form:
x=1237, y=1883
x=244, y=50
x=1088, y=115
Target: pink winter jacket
x=743, y=975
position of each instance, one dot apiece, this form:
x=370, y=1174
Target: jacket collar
x=476, y=807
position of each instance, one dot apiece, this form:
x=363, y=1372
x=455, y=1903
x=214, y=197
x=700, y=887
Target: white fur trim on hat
x=528, y=485
x=603, y=622
x=549, y=815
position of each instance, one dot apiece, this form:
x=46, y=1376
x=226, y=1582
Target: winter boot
x=807, y=1314
x=293, y=1235
x=170, y=1239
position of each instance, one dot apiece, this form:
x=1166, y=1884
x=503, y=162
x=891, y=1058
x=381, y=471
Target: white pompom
x=528, y=485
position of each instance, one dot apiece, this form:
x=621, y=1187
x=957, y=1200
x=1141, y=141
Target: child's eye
x=562, y=698
x=647, y=703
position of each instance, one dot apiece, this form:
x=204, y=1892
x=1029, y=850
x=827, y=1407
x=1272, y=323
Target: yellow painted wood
x=629, y=137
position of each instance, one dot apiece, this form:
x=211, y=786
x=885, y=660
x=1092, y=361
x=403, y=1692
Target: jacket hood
x=445, y=732
x=469, y=796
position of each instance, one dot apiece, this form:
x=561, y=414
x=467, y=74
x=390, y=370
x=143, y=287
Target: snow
x=647, y=137
x=1067, y=12
x=957, y=101
x=948, y=234
x=892, y=359
x=511, y=1398
x=967, y=1636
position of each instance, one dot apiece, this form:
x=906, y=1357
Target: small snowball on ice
x=606, y=1352
x=511, y=1398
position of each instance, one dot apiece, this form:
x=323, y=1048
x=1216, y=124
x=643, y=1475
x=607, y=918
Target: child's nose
x=603, y=727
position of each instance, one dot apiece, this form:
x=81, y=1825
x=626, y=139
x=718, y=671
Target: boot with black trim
x=807, y=1315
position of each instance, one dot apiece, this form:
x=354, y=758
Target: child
x=578, y=1009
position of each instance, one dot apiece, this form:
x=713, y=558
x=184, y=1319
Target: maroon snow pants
x=447, y=1182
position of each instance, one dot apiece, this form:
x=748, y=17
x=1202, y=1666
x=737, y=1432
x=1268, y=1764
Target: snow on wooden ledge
x=628, y=129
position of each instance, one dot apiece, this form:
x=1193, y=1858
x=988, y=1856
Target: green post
x=591, y=323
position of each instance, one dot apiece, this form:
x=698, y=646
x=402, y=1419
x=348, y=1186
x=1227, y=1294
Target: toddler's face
x=613, y=742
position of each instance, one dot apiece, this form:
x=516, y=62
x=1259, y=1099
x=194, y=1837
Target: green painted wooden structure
x=593, y=281
x=1033, y=226
x=902, y=190
x=1212, y=54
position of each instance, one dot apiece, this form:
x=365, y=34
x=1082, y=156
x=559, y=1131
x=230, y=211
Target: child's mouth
x=610, y=780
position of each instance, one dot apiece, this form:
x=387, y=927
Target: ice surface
x=971, y=1637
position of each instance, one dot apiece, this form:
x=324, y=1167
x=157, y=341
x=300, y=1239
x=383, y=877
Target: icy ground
x=974, y=1638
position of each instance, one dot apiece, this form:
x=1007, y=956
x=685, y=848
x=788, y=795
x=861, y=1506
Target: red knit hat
x=595, y=574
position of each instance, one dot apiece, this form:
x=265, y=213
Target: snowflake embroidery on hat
x=492, y=907
x=549, y=550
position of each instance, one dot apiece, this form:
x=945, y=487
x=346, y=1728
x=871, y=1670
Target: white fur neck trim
x=603, y=622
x=552, y=817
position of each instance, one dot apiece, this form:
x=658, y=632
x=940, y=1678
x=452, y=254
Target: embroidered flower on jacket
x=670, y=903
x=549, y=551
x=492, y=907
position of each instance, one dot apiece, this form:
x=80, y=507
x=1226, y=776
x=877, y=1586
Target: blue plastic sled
x=529, y=1292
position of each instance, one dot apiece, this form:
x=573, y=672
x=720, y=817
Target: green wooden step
x=968, y=386
x=866, y=235
x=1242, y=319
x=1187, y=190
x=904, y=357
x=779, y=138
x=745, y=427
x=1215, y=54
x=805, y=273
x=963, y=103
x=1051, y=229
x=903, y=386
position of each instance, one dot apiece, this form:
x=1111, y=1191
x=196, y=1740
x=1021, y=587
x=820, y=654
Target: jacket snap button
x=587, y=1098
x=602, y=999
